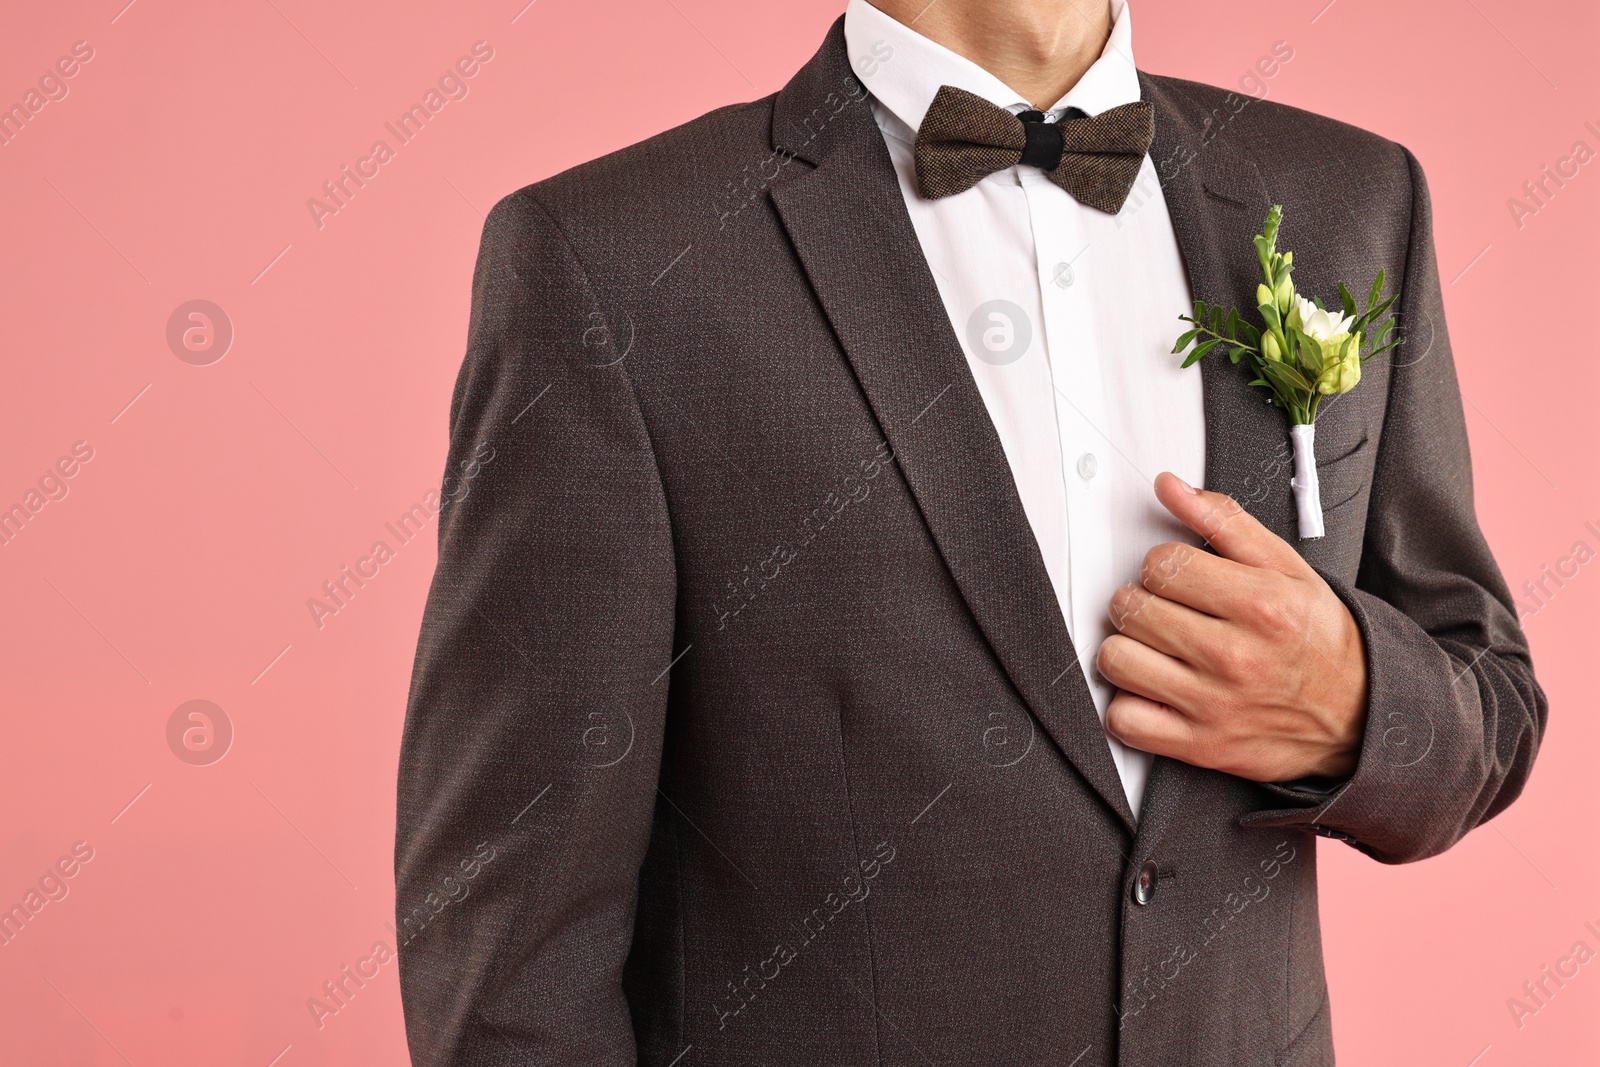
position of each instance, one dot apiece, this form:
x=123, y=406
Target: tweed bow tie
x=964, y=139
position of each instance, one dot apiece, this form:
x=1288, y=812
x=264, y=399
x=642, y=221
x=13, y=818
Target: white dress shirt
x=1067, y=316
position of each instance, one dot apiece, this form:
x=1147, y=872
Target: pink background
x=220, y=497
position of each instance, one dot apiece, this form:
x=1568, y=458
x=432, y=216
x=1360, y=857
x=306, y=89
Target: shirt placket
x=1064, y=261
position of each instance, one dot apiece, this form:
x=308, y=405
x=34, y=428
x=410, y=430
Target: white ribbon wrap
x=1307, y=494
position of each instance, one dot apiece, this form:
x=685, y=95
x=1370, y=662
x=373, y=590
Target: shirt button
x=1088, y=466
x=1144, y=886
x=1063, y=275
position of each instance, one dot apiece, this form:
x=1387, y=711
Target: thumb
x=1227, y=527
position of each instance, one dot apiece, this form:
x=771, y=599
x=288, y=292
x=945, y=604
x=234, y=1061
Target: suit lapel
x=849, y=226
x=1217, y=202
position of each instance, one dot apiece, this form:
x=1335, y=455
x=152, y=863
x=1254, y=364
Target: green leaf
x=1231, y=327
x=1235, y=352
x=1199, y=311
x=1309, y=353
x=1347, y=300
x=1376, y=312
x=1289, y=384
x=1317, y=302
x=1269, y=315
x=1183, y=341
x=1200, y=351
x=1377, y=288
x=1251, y=334
x=1381, y=334
x=1216, y=319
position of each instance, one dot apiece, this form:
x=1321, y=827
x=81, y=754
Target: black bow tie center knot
x=1045, y=143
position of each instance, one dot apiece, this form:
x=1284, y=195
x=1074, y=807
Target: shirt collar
x=903, y=69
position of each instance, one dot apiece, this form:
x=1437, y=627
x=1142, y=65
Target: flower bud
x=1270, y=349
x=1340, y=375
x=1264, y=296
x=1285, y=294
x=1288, y=259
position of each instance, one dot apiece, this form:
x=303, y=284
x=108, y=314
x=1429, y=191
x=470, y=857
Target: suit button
x=1144, y=887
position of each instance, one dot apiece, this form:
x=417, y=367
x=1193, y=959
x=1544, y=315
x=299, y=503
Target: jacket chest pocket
x=1345, y=480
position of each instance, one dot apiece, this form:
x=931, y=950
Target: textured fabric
x=743, y=665
x=964, y=139
x=1065, y=314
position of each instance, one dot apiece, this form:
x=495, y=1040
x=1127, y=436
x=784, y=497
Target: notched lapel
x=1217, y=201
x=849, y=226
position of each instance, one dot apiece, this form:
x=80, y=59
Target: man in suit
x=829, y=661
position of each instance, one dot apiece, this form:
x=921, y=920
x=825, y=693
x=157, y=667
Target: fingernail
x=1186, y=486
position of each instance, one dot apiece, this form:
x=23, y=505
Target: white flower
x=1318, y=323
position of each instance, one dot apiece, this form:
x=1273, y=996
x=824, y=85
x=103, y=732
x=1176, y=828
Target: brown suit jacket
x=745, y=727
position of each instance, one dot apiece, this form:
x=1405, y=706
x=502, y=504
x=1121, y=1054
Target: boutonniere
x=1300, y=353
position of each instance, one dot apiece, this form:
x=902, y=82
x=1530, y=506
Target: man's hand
x=1245, y=662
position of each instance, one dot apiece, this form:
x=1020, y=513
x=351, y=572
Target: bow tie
x=964, y=139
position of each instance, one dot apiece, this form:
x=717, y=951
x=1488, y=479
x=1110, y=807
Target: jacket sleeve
x=533, y=732
x=1454, y=715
